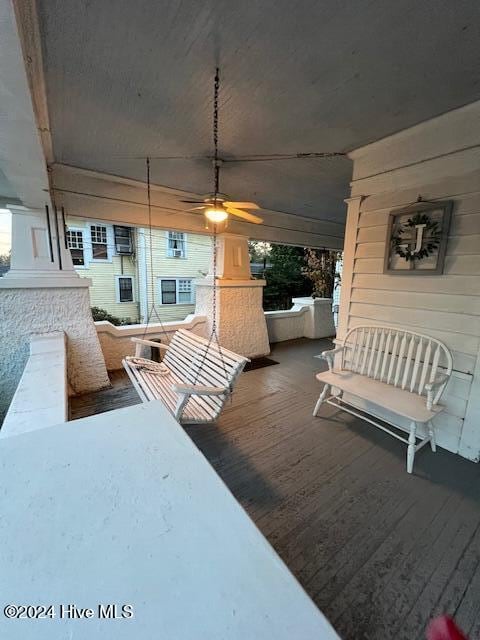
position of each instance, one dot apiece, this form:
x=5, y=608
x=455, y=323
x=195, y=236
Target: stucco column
x=241, y=324
x=42, y=293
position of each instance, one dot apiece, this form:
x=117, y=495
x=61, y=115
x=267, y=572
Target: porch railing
x=116, y=341
x=308, y=318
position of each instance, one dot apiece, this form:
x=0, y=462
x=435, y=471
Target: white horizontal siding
x=377, y=205
x=457, y=246
x=454, y=265
x=446, y=307
x=437, y=284
x=463, y=304
x=458, y=324
x=463, y=362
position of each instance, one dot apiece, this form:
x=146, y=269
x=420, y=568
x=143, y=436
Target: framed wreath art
x=417, y=238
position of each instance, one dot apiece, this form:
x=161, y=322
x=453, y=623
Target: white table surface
x=122, y=508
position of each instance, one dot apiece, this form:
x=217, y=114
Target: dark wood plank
x=120, y=394
x=379, y=551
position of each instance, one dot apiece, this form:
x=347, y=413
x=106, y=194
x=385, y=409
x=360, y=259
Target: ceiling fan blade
x=193, y=201
x=244, y=215
x=241, y=205
x=197, y=208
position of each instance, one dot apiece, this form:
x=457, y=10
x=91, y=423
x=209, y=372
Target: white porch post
x=350, y=246
x=38, y=246
x=241, y=324
x=42, y=293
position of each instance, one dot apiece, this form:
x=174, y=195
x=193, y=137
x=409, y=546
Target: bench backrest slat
x=408, y=362
x=398, y=357
x=426, y=364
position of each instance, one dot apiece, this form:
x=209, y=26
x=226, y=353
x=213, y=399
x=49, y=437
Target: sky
x=5, y=231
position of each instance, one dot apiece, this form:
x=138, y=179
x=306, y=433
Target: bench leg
x=322, y=397
x=411, y=446
x=431, y=433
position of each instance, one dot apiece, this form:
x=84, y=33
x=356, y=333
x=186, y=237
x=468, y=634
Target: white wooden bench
x=193, y=381
x=400, y=371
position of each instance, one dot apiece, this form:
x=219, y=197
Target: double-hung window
x=184, y=291
x=75, y=244
x=124, y=288
x=98, y=235
x=176, y=244
x=176, y=291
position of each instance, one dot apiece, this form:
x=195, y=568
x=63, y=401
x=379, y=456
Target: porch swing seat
x=195, y=380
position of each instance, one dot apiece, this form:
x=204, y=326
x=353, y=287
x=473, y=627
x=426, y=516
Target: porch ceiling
x=129, y=79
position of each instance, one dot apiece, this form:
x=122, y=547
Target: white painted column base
x=35, y=309
x=241, y=325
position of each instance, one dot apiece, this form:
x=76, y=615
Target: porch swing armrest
x=150, y=343
x=199, y=390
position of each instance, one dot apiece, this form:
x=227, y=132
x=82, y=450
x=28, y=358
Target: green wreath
x=432, y=236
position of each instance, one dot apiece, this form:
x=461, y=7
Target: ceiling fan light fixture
x=216, y=215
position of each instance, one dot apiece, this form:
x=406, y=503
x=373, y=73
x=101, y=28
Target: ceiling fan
x=216, y=206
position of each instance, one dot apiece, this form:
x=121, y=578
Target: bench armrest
x=148, y=343
x=439, y=380
x=329, y=356
x=436, y=385
x=199, y=390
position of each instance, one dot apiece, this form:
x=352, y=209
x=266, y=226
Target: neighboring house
x=119, y=262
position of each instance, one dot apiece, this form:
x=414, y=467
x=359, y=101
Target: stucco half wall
x=308, y=318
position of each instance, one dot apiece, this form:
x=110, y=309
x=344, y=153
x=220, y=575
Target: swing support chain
x=213, y=337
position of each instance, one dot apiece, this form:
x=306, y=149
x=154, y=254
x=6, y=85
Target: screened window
x=176, y=291
x=125, y=289
x=176, y=244
x=98, y=234
x=75, y=244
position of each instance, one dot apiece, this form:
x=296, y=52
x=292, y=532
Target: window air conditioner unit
x=123, y=240
x=177, y=253
x=124, y=248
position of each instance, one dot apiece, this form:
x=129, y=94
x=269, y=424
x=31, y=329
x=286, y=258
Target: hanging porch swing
x=196, y=375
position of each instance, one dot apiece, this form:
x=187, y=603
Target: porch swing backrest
x=198, y=379
x=195, y=361
x=397, y=357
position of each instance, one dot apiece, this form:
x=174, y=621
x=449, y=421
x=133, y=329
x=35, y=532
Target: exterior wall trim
x=351, y=230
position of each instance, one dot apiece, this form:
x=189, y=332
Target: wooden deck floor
x=379, y=551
